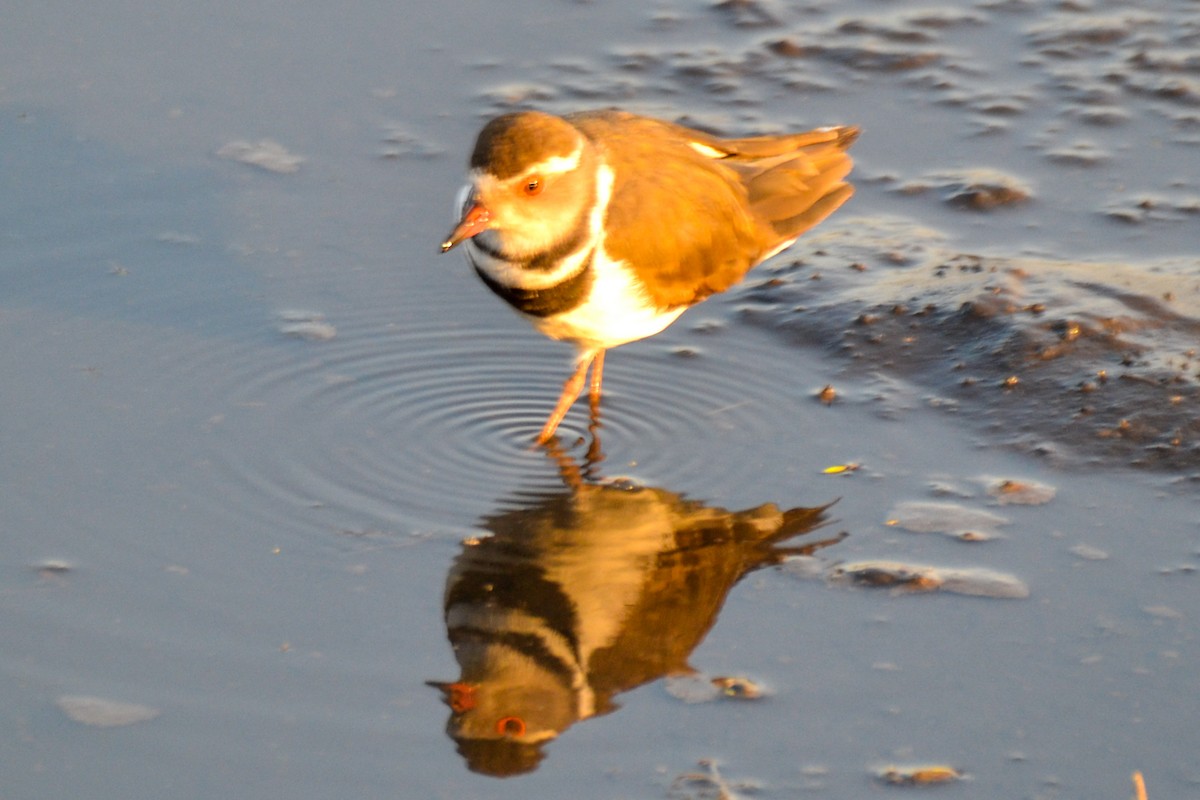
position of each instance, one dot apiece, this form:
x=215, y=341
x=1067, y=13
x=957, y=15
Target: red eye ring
x=533, y=185
x=510, y=726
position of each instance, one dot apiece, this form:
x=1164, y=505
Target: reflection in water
x=584, y=593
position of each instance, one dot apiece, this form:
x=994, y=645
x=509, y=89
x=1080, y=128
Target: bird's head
x=531, y=184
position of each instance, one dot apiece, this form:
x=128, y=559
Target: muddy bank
x=1081, y=362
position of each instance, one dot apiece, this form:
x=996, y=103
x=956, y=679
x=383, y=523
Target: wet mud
x=1083, y=363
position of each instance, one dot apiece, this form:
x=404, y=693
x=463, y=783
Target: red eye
x=510, y=726
x=533, y=186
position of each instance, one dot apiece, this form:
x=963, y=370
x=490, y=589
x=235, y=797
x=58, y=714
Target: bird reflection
x=586, y=592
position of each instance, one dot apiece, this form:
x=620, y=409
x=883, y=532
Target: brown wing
x=795, y=181
x=666, y=196
x=761, y=192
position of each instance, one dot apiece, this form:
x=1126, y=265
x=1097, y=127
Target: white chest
x=614, y=312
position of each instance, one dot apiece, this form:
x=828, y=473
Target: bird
x=602, y=227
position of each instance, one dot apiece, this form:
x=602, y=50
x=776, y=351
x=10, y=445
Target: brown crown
x=509, y=144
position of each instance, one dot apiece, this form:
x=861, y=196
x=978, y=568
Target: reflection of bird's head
x=505, y=693
x=500, y=758
x=501, y=725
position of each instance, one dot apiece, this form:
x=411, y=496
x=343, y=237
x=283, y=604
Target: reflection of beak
x=459, y=696
x=475, y=220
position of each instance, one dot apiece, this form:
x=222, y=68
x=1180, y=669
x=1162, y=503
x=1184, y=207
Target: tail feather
x=755, y=147
x=790, y=228
x=792, y=192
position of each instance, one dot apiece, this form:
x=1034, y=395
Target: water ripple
x=421, y=428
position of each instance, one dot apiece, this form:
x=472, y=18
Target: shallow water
x=254, y=427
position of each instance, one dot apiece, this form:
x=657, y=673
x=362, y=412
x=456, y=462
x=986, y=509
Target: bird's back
x=696, y=211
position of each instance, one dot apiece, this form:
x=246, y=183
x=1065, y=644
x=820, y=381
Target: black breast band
x=556, y=299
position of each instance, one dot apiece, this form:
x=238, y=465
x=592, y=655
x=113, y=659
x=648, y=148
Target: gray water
x=253, y=427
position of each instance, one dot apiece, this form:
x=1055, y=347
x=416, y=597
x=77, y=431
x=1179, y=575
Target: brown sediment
x=1080, y=361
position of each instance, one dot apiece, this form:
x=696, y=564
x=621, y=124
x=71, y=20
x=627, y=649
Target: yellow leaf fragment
x=919, y=775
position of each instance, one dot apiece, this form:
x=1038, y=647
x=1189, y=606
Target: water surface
x=256, y=430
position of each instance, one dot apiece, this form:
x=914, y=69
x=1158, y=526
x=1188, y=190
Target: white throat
x=514, y=274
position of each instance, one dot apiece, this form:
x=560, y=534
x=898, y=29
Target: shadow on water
x=585, y=592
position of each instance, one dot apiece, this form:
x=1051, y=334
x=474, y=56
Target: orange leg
x=597, y=377
x=570, y=393
x=594, y=454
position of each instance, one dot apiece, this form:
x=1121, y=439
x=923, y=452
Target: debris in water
x=100, y=712
x=1089, y=553
x=698, y=688
x=400, y=142
x=691, y=688
x=308, y=325
x=748, y=13
x=265, y=154
x=709, y=785
x=919, y=775
x=976, y=582
x=1163, y=612
x=951, y=519
x=1014, y=492
x=52, y=567
x=738, y=688
x=971, y=189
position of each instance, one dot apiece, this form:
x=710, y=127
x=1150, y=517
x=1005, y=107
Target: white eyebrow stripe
x=557, y=165
x=554, y=165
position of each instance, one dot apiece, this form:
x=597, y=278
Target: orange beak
x=462, y=697
x=475, y=220
x=459, y=696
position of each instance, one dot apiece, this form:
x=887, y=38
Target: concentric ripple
x=395, y=429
